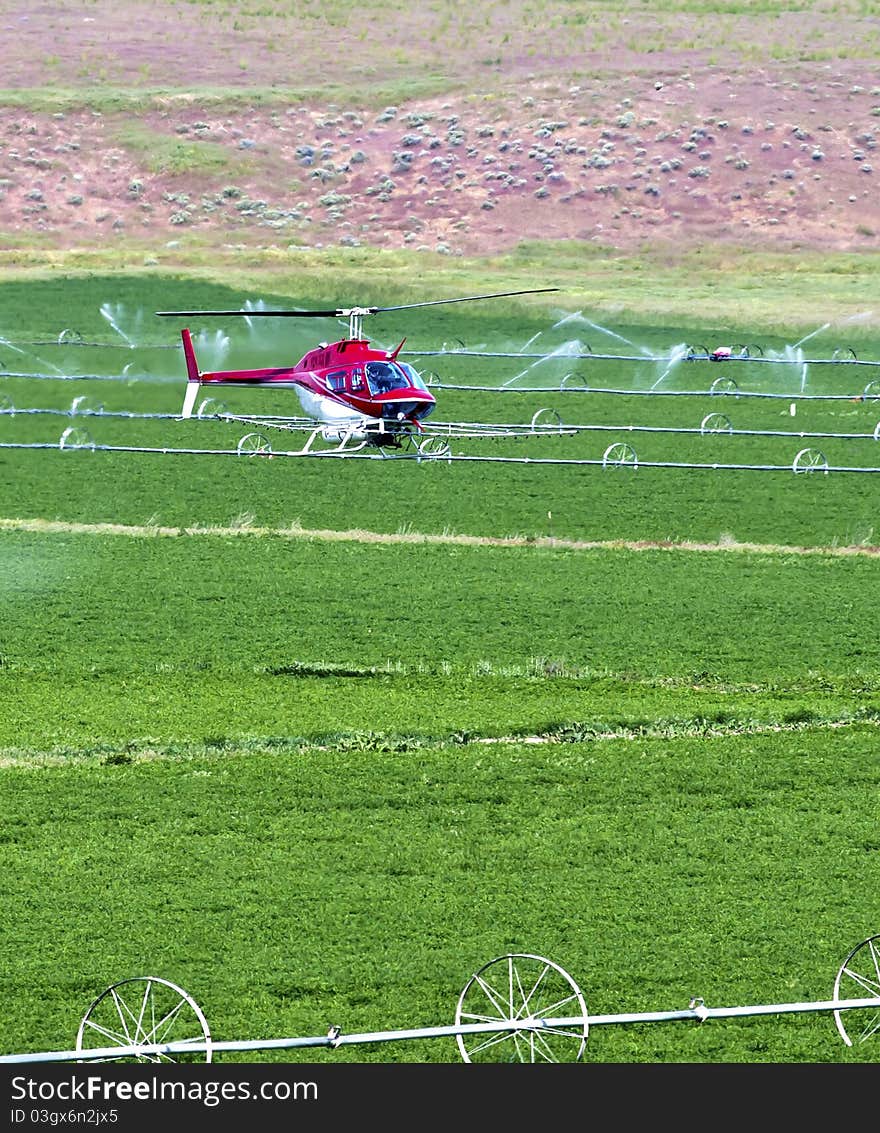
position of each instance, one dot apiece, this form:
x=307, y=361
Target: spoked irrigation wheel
x=618, y=454
x=723, y=385
x=433, y=448
x=859, y=978
x=144, y=1011
x=574, y=377
x=254, y=444
x=871, y=391
x=84, y=404
x=810, y=460
x=715, y=423
x=522, y=990
x=210, y=407
x=546, y=418
x=74, y=436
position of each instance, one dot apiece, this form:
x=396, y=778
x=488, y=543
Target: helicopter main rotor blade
x=248, y=314
x=466, y=299
x=344, y=312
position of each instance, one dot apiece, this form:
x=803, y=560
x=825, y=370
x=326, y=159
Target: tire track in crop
x=357, y=535
x=143, y=751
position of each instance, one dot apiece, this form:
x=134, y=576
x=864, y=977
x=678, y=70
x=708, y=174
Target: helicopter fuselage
x=337, y=383
x=341, y=384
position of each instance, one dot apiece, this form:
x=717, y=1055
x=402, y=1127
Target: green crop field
x=316, y=738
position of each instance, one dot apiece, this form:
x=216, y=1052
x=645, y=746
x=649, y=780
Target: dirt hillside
x=754, y=131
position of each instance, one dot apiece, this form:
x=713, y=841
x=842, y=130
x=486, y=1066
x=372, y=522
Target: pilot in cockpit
x=381, y=377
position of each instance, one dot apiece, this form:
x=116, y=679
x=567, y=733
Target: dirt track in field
x=754, y=131
x=57, y=527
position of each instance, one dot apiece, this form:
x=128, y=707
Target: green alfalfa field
x=317, y=739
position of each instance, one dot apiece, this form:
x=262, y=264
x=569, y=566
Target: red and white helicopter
x=351, y=392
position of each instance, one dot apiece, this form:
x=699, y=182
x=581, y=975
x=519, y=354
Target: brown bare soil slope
x=623, y=127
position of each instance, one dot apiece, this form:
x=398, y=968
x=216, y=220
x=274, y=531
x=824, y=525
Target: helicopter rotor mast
x=355, y=316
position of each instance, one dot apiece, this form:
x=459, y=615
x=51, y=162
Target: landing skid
x=392, y=439
x=338, y=440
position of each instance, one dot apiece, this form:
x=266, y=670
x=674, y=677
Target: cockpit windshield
x=414, y=377
x=385, y=376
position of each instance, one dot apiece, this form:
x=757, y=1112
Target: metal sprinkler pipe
x=514, y=999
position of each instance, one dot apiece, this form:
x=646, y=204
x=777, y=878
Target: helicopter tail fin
x=193, y=377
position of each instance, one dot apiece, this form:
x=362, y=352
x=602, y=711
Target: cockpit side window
x=356, y=380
